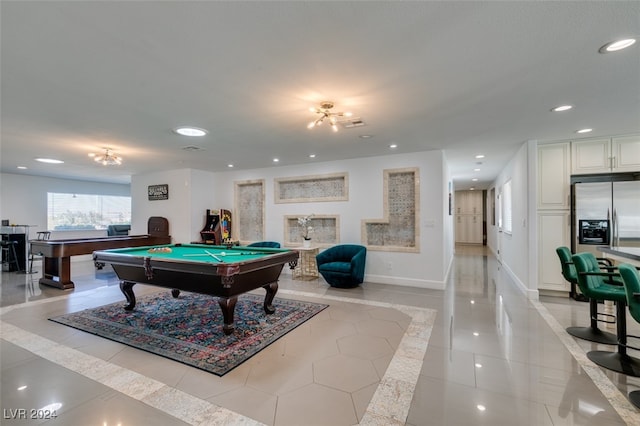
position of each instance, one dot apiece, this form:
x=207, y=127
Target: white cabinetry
x=620, y=154
x=554, y=204
x=554, y=176
x=626, y=153
x=468, y=222
x=556, y=163
x=553, y=232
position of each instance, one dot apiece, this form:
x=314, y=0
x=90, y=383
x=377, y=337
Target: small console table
x=307, y=268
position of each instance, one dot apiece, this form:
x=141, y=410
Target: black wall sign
x=158, y=192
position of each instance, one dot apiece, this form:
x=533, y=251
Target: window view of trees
x=74, y=212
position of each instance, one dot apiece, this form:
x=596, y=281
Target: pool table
x=221, y=271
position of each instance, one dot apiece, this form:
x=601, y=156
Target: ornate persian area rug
x=189, y=329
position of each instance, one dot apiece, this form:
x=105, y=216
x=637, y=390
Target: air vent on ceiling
x=350, y=123
x=191, y=148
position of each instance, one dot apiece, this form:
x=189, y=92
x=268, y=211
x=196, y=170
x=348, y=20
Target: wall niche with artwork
x=398, y=229
x=326, y=230
x=314, y=188
x=249, y=210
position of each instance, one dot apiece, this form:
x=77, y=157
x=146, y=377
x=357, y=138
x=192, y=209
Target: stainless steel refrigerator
x=606, y=211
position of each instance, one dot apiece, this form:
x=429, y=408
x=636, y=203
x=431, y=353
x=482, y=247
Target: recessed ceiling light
x=584, y=130
x=562, y=108
x=474, y=179
x=49, y=161
x=190, y=131
x=473, y=189
x=481, y=407
x=614, y=46
x=275, y=160
x=479, y=156
x=365, y=136
x=312, y=156
x=393, y=146
x=22, y=167
x=476, y=170
x=229, y=165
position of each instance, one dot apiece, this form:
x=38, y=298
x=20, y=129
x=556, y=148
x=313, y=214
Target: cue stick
x=213, y=255
x=226, y=254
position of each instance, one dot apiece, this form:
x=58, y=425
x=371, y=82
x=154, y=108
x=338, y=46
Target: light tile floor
x=476, y=353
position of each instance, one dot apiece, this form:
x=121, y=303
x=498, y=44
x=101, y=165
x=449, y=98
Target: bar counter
x=622, y=254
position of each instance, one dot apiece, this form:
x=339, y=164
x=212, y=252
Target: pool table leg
x=127, y=289
x=271, y=289
x=228, y=306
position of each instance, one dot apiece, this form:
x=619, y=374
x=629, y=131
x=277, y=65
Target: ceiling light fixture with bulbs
x=325, y=113
x=107, y=159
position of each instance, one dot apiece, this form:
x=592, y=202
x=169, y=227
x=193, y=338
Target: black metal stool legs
x=11, y=255
x=618, y=361
x=593, y=333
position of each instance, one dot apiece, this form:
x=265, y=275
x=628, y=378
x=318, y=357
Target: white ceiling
x=464, y=77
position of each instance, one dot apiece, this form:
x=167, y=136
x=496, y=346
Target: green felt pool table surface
x=200, y=253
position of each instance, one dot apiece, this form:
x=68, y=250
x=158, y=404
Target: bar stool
x=631, y=281
x=594, y=281
x=40, y=236
x=591, y=333
x=9, y=255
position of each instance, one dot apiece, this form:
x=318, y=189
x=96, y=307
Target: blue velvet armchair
x=343, y=265
x=269, y=244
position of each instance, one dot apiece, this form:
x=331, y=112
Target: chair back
x=631, y=281
x=587, y=263
x=268, y=244
x=568, y=269
x=43, y=235
x=342, y=253
x=118, y=230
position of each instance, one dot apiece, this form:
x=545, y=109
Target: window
x=507, y=206
x=77, y=212
x=492, y=196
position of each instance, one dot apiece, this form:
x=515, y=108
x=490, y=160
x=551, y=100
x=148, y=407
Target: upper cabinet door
x=591, y=156
x=553, y=176
x=621, y=154
x=626, y=154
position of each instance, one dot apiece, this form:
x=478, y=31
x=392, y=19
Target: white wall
x=191, y=193
x=515, y=248
x=196, y=191
x=23, y=200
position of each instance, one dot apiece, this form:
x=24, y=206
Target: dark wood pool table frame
x=224, y=280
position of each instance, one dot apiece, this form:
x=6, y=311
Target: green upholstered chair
x=591, y=333
x=118, y=230
x=268, y=244
x=631, y=280
x=594, y=283
x=343, y=265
